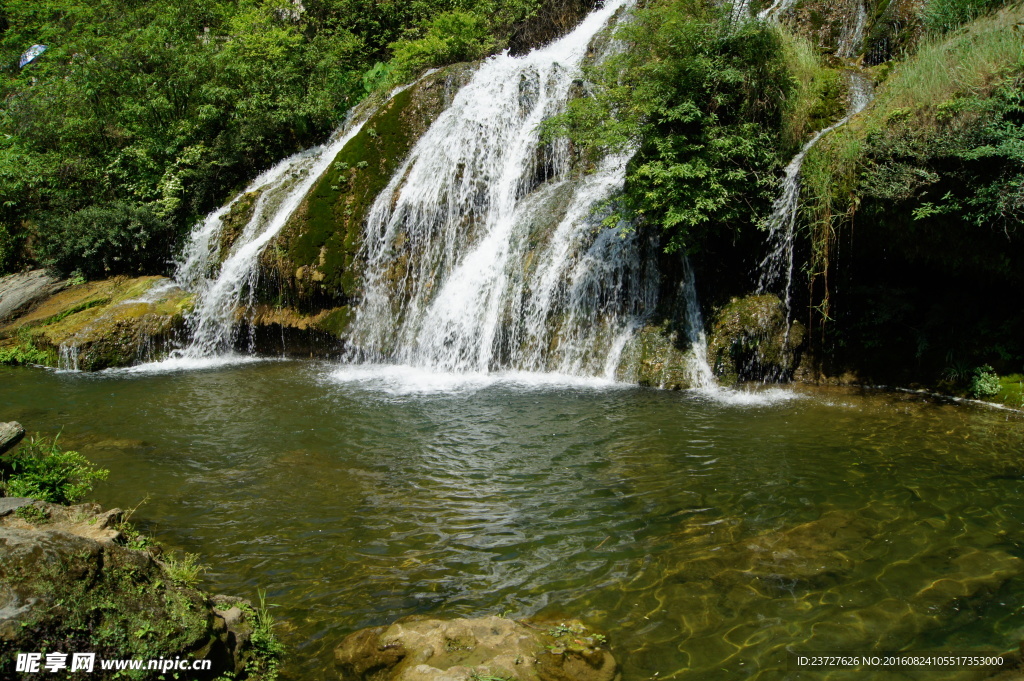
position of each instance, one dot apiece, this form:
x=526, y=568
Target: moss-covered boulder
x=419, y=649
x=659, y=356
x=752, y=340
x=67, y=585
x=313, y=265
x=100, y=324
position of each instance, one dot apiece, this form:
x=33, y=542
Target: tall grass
x=972, y=61
x=817, y=98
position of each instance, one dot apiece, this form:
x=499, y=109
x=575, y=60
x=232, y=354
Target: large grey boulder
x=19, y=291
x=10, y=435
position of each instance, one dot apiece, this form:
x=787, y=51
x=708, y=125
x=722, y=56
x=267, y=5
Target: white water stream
x=224, y=284
x=776, y=269
x=484, y=253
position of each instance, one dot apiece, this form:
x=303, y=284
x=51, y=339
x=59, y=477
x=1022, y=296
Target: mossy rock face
x=658, y=357
x=751, y=341
x=101, y=324
x=314, y=261
x=892, y=26
x=483, y=649
x=67, y=587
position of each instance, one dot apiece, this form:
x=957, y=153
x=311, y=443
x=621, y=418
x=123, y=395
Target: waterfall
x=776, y=269
x=223, y=277
x=484, y=252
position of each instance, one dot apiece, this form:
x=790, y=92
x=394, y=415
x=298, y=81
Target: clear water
x=705, y=535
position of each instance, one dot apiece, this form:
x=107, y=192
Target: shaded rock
x=11, y=434
x=458, y=650
x=9, y=505
x=65, y=580
x=751, y=341
x=18, y=292
x=101, y=324
x=658, y=357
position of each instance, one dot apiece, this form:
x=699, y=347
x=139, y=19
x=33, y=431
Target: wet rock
x=101, y=324
x=313, y=263
x=751, y=341
x=18, y=292
x=11, y=434
x=658, y=357
x=463, y=649
x=9, y=505
x=64, y=579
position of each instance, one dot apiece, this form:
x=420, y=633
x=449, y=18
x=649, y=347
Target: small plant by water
x=985, y=382
x=268, y=647
x=40, y=469
x=187, y=570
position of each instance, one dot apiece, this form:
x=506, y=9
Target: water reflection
x=709, y=538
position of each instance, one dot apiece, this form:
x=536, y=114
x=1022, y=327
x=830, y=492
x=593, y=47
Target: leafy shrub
x=985, y=382
x=451, y=37
x=99, y=241
x=39, y=469
x=702, y=101
x=24, y=353
x=186, y=571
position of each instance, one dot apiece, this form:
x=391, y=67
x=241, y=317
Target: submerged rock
x=483, y=648
x=752, y=341
x=100, y=324
x=68, y=585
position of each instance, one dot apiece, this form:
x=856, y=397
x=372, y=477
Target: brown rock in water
x=751, y=340
x=10, y=435
x=483, y=648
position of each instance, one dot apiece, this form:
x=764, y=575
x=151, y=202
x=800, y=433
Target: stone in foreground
x=10, y=435
x=491, y=648
x=68, y=584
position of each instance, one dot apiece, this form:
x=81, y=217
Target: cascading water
x=776, y=270
x=224, y=284
x=483, y=254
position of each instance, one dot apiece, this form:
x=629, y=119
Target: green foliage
x=267, y=647
x=985, y=382
x=140, y=118
x=817, y=98
x=101, y=241
x=24, y=353
x=941, y=16
x=451, y=37
x=33, y=514
x=702, y=101
x=187, y=570
x=39, y=469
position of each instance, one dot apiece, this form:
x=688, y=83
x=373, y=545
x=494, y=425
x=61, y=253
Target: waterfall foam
x=484, y=253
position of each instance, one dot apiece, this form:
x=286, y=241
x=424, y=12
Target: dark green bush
x=99, y=241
